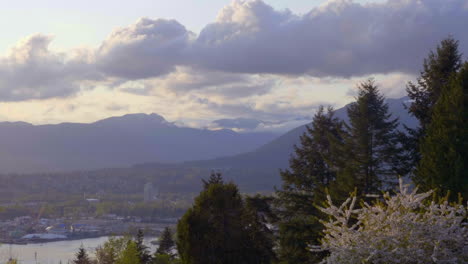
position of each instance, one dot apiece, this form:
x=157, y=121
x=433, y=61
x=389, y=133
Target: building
x=58, y=229
x=150, y=193
x=85, y=228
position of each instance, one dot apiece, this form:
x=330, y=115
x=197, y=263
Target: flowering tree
x=399, y=229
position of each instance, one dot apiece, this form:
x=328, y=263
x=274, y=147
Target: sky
x=195, y=62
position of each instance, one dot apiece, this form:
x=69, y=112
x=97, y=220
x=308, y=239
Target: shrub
x=404, y=228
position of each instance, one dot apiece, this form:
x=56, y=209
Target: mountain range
x=149, y=141
x=115, y=142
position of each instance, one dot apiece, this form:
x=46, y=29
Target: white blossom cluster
x=400, y=229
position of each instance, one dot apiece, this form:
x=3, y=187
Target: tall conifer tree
x=370, y=156
x=81, y=256
x=166, y=243
x=303, y=187
x=444, y=149
x=143, y=253
x=437, y=69
x=260, y=238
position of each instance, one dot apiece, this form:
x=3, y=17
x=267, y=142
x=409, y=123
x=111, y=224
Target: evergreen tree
x=129, y=255
x=215, y=230
x=166, y=243
x=257, y=218
x=215, y=178
x=304, y=187
x=370, y=154
x=143, y=253
x=210, y=231
x=437, y=69
x=81, y=256
x=444, y=149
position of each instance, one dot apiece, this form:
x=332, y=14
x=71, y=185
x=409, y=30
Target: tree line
x=367, y=154
x=125, y=250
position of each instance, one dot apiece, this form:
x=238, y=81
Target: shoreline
x=42, y=241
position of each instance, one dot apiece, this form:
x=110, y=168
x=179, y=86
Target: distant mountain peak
x=16, y=123
x=152, y=118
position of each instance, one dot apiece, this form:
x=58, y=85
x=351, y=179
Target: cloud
x=282, y=127
x=391, y=85
x=256, y=125
x=185, y=80
x=237, y=123
x=145, y=49
x=242, y=63
x=31, y=71
x=340, y=38
x=114, y=107
x=251, y=109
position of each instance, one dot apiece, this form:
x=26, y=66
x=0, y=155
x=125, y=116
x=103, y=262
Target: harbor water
x=54, y=252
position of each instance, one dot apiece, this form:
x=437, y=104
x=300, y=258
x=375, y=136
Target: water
x=53, y=252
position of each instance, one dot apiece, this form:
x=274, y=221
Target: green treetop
x=143, y=253
x=215, y=230
x=370, y=157
x=81, y=256
x=437, y=69
x=166, y=243
x=444, y=149
x=130, y=254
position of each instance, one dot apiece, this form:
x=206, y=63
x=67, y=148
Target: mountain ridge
x=114, y=142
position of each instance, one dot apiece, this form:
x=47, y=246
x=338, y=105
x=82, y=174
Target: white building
x=150, y=193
